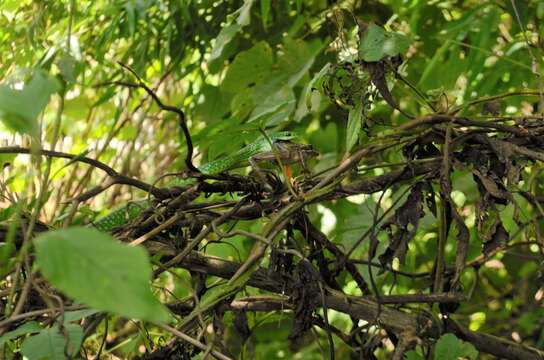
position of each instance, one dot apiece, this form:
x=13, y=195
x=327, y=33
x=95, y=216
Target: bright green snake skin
x=238, y=159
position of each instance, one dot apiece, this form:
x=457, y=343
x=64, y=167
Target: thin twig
x=192, y=341
x=116, y=178
x=179, y=112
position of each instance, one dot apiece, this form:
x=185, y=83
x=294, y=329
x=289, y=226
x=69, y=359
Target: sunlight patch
x=328, y=221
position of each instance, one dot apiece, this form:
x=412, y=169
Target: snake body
x=235, y=160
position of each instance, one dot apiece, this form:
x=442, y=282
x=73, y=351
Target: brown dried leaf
x=493, y=188
x=241, y=325
x=492, y=107
x=306, y=297
x=429, y=198
x=496, y=238
x=463, y=239
x=406, y=221
x=377, y=76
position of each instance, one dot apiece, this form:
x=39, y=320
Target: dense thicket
x=400, y=215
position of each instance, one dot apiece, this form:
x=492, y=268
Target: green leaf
x=11, y=5
x=20, y=108
x=310, y=97
x=50, y=343
x=6, y=159
x=326, y=139
x=99, y=271
x=228, y=32
x=275, y=108
x=212, y=105
x=67, y=64
x=265, y=11
x=27, y=328
x=270, y=328
x=377, y=44
x=317, y=82
x=296, y=58
x=75, y=315
x=242, y=103
x=225, y=37
x=413, y=355
x=540, y=10
x=7, y=250
x=432, y=66
x=354, y=125
x=244, y=13
x=249, y=67
x=449, y=347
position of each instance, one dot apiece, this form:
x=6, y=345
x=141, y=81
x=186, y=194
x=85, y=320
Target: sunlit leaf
x=227, y=33
x=20, y=108
x=244, y=13
x=354, y=125
x=6, y=160
x=225, y=36
x=249, y=67
x=96, y=270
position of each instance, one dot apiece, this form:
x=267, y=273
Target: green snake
x=240, y=158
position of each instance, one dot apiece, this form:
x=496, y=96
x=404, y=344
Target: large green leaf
x=20, y=108
x=97, y=270
x=249, y=67
x=275, y=108
x=223, y=39
x=27, y=328
x=449, y=347
x=296, y=58
x=377, y=44
x=50, y=343
x=227, y=33
x=75, y=315
x=212, y=105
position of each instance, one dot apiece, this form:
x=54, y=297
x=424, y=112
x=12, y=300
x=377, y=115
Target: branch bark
x=423, y=325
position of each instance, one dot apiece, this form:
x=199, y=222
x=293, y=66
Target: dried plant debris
x=403, y=225
x=493, y=232
x=241, y=325
x=306, y=298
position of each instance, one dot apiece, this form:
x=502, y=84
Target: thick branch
x=362, y=308
x=373, y=184
x=116, y=178
x=357, y=307
x=494, y=345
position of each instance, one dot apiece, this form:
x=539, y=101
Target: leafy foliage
x=93, y=268
x=416, y=232
x=52, y=344
x=19, y=108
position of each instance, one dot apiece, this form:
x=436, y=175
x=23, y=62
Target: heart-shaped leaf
x=97, y=270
